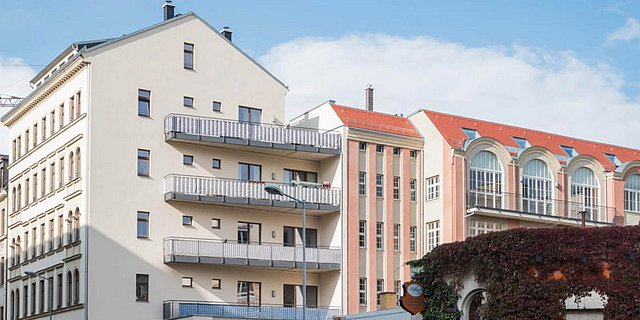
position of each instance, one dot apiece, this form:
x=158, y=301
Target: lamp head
x=273, y=189
x=30, y=273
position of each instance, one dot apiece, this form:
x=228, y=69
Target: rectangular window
x=187, y=282
x=433, y=188
x=216, y=106
x=362, y=146
x=43, y=183
x=249, y=232
x=396, y=187
x=61, y=115
x=187, y=102
x=249, y=115
x=35, y=134
x=188, y=56
x=52, y=177
x=413, y=153
x=51, y=232
x=249, y=172
x=413, y=232
x=33, y=298
x=362, y=183
x=379, y=185
x=143, y=162
x=248, y=293
x=78, y=104
x=26, y=141
x=433, y=235
x=187, y=160
x=299, y=175
x=187, y=220
x=215, y=223
x=42, y=238
x=41, y=298
x=61, y=172
x=362, y=291
x=379, y=148
x=216, y=163
x=60, y=230
x=26, y=192
x=216, y=284
x=59, y=284
x=413, y=184
x=478, y=227
x=379, y=289
x=397, y=151
x=143, y=225
x=72, y=106
x=362, y=236
x=52, y=119
x=379, y=235
x=396, y=237
x=43, y=129
x=142, y=287
x=19, y=146
x=144, y=103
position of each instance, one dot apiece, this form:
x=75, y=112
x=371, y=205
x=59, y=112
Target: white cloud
x=14, y=80
x=551, y=91
x=630, y=31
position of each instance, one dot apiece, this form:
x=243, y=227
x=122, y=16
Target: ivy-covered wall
x=529, y=273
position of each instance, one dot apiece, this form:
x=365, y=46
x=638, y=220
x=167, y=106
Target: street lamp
x=275, y=190
x=33, y=274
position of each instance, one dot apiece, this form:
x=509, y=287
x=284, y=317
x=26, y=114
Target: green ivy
x=529, y=273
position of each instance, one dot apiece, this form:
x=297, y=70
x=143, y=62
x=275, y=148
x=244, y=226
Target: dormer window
x=522, y=143
x=613, y=158
x=471, y=133
x=570, y=151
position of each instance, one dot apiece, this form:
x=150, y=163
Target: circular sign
x=414, y=290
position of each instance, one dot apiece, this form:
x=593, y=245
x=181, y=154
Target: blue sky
x=511, y=61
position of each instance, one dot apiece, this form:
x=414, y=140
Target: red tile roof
x=376, y=121
x=450, y=127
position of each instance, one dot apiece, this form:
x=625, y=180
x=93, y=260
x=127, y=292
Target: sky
x=567, y=67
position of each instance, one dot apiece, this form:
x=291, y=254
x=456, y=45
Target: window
x=249, y=115
x=187, y=160
x=379, y=289
x=76, y=287
x=25, y=307
x=187, y=282
x=33, y=298
x=362, y=291
x=299, y=175
x=69, y=227
x=249, y=172
x=60, y=230
x=249, y=232
x=396, y=187
x=396, y=237
x=433, y=235
x=72, y=161
x=78, y=95
x=379, y=235
x=362, y=183
x=433, y=188
x=397, y=151
x=398, y=286
x=52, y=177
x=379, y=185
x=477, y=227
x=248, y=293
x=215, y=223
x=19, y=146
x=72, y=106
x=142, y=287
x=143, y=162
x=413, y=153
x=26, y=191
x=76, y=225
x=379, y=148
x=69, y=289
x=43, y=129
x=413, y=183
x=144, y=103
x=632, y=193
x=35, y=134
x=26, y=140
x=77, y=168
x=216, y=163
x=362, y=146
x=614, y=159
x=143, y=225
x=42, y=237
x=187, y=220
x=187, y=102
x=216, y=284
x=470, y=133
x=413, y=232
x=216, y=106
x=34, y=192
x=43, y=183
x=52, y=119
x=61, y=116
x=485, y=181
x=522, y=142
x=51, y=232
x=362, y=233
x=570, y=151
x=536, y=188
x=59, y=284
x=188, y=56
x=585, y=194
x=61, y=172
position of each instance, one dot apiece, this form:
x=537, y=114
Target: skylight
x=571, y=152
x=522, y=143
x=471, y=133
x=613, y=158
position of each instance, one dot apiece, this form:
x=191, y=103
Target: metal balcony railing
x=272, y=253
x=542, y=206
x=267, y=133
x=218, y=187
x=174, y=309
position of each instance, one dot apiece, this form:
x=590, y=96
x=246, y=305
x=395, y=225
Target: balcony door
x=249, y=115
x=292, y=296
x=299, y=175
x=249, y=172
x=536, y=188
x=584, y=194
x=485, y=181
x=248, y=293
x=249, y=233
x=293, y=235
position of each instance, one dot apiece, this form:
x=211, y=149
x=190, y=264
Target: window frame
x=189, y=219
x=189, y=283
x=142, y=284
x=144, y=220
x=215, y=103
x=433, y=235
x=215, y=223
x=379, y=235
x=143, y=159
x=145, y=100
x=187, y=160
x=396, y=188
x=379, y=185
x=433, y=188
x=184, y=102
x=362, y=291
x=213, y=163
x=396, y=236
x=362, y=234
x=188, y=54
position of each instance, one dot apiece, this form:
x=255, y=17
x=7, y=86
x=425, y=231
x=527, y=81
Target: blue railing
x=174, y=309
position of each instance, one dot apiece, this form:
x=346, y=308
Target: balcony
x=179, y=309
x=299, y=143
x=266, y=255
x=247, y=193
x=550, y=211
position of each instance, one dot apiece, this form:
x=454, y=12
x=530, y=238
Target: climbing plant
x=529, y=273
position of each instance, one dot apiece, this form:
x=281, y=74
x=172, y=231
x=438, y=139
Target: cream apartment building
x=136, y=185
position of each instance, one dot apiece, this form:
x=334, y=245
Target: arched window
x=632, y=193
x=71, y=168
x=17, y=306
x=69, y=289
x=485, y=181
x=76, y=289
x=76, y=225
x=70, y=227
x=536, y=187
x=12, y=305
x=19, y=198
x=18, y=251
x=13, y=200
x=584, y=194
x=77, y=162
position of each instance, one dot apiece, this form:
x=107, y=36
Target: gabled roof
x=450, y=127
x=375, y=121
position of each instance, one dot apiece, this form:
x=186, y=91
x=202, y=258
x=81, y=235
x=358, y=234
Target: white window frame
x=362, y=183
x=362, y=291
x=433, y=188
x=379, y=185
x=362, y=233
x=380, y=235
x=413, y=190
x=396, y=188
x=478, y=227
x=413, y=240
x=396, y=236
x=632, y=193
x=433, y=235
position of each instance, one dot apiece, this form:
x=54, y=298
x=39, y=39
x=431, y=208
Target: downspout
x=88, y=193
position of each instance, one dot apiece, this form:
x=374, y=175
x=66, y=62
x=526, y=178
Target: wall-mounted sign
x=412, y=299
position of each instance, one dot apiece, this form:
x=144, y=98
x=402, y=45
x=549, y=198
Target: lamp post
x=275, y=190
x=33, y=274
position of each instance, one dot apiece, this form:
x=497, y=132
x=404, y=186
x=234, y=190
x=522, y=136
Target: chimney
x=368, y=96
x=226, y=32
x=169, y=10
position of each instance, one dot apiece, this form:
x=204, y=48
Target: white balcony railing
x=256, y=132
x=205, y=186
x=210, y=248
